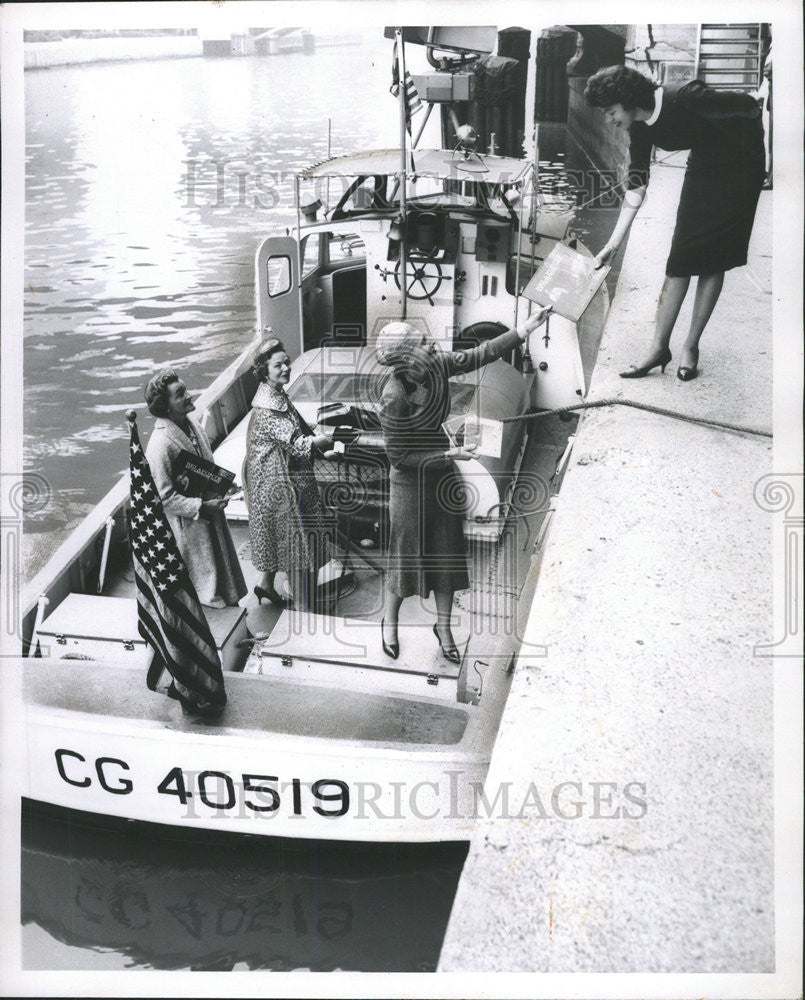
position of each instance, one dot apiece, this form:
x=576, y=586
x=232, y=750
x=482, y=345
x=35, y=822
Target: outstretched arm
x=459, y=362
x=632, y=201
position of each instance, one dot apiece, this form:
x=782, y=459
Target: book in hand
x=196, y=477
x=567, y=281
x=484, y=435
x=481, y=435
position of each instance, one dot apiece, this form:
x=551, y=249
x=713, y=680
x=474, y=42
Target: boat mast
x=398, y=37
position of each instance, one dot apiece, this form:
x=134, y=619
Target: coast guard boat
x=323, y=735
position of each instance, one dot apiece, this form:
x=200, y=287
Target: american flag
x=169, y=614
x=412, y=101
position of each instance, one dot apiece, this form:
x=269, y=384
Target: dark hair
x=261, y=356
x=157, y=391
x=620, y=85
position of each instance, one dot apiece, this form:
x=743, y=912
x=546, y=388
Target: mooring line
x=597, y=403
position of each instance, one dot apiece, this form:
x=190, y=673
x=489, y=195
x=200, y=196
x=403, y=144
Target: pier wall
x=636, y=746
x=607, y=148
x=666, y=52
x=75, y=51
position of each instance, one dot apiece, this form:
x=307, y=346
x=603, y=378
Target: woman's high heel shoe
x=271, y=595
x=687, y=373
x=635, y=372
x=391, y=649
x=451, y=654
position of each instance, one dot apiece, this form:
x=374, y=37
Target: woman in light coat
x=198, y=525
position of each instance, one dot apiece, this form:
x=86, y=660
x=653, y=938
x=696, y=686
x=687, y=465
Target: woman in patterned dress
x=286, y=518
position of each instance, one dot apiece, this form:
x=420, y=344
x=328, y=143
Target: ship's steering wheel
x=425, y=273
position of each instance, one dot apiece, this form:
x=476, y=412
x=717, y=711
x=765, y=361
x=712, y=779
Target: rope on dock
x=598, y=403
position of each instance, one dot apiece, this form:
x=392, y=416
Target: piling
x=555, y=46
x=498, y=102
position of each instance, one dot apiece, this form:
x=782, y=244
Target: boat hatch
x=346, y=654
x=96, y=627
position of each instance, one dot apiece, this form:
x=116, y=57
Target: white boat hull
x=115, y=749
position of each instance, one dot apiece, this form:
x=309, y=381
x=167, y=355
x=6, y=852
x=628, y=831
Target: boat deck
x=119, y=693
x=310, y=680
x=488, y=618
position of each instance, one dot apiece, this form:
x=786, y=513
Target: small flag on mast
x=412, y=101
x=169, y=613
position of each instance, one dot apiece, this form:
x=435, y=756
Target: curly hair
x=157, y=392
x=620, y=85
x=261, y=356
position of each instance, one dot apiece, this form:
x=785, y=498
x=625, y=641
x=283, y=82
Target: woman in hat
x=723, y=179
x=198, y=525
x=286, y=518
x=426, y=534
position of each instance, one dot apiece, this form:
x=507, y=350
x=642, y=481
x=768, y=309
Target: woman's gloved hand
x=536, y=319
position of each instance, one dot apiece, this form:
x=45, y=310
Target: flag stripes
x=412, y=99
x=170, y=618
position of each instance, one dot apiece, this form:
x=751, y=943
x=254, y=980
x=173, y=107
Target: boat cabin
x=448, y=255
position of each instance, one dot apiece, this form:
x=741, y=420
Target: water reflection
x=149, y=186
x=255, y=903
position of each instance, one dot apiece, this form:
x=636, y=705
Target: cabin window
x=279, y=275
x=345, y=245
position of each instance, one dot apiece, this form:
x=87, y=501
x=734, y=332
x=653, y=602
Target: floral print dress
x=286, y=518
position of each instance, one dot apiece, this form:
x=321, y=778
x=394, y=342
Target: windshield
x=365, y=389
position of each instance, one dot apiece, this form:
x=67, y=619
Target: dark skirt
x=714, y=220
x=426, y=533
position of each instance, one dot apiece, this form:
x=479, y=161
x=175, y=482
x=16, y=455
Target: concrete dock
x=631, y=786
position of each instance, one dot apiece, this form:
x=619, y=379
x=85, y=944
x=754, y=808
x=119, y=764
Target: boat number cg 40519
x=255, y=793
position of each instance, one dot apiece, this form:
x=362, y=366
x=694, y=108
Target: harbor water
x=149, y=187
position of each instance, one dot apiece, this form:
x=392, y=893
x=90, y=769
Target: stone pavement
x=637, y=681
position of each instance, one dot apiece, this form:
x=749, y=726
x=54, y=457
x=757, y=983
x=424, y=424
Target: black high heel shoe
x=391, y=649
x=271, y=595
x=687, y=373
x=452, y=655
x=635, y=372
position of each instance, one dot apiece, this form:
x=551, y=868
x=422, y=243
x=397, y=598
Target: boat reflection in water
x=223, y=903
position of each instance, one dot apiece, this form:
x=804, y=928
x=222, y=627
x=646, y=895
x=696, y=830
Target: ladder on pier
x=730, y=56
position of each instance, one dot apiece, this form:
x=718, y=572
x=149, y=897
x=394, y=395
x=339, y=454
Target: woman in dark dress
x=723, y=179
x=426, y=534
